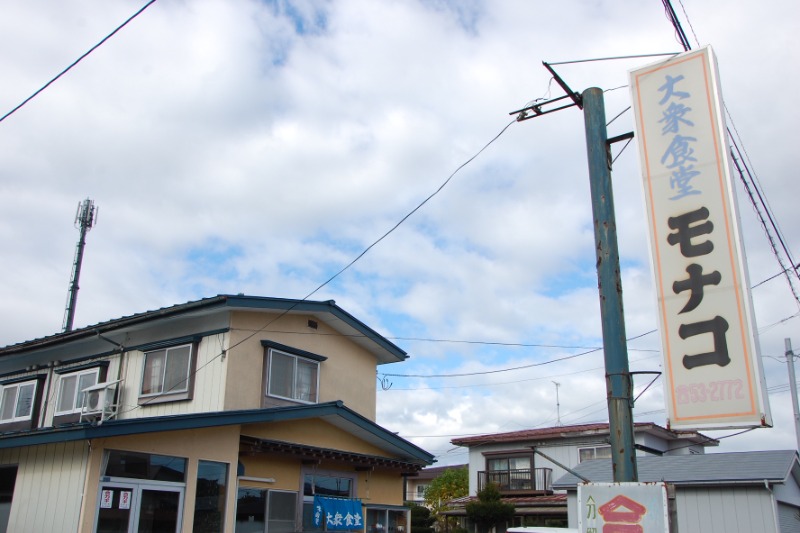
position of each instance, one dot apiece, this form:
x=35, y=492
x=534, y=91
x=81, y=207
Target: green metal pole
x=618, y=379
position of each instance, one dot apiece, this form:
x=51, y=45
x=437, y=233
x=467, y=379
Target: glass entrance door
x=138, y=508
x=159, y=511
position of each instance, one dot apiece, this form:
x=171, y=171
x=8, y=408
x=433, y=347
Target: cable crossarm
x=537, y=109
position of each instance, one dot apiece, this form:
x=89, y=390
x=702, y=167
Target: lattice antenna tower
x=85, y=218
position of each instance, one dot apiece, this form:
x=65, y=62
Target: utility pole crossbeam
x=618, y=379
x=85, y=218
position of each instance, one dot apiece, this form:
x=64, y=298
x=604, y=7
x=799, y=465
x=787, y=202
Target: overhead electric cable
x=673, y=18
x=286, y=311
x=752, y=187
x=92, y=49
x=485, y=372
x=425, y=201
x=689, y=21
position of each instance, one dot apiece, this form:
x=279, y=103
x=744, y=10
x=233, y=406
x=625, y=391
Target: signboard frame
x=712, y=366
x=623, y=507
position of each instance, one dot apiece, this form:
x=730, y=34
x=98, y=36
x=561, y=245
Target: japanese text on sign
x=711, y=362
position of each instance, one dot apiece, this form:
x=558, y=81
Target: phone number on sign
x=713, y=391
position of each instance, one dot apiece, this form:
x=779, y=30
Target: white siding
x=716, y=510
x=52, y=384
x=49, y=487
x=566, y=455
x=208, y=391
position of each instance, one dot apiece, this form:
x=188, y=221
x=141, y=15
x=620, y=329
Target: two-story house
x=416, y=485
x=525, y=478
x=231, y=413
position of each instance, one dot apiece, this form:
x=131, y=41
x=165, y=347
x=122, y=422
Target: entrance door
x=139, y=508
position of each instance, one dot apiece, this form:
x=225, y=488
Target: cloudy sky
x=261, y=146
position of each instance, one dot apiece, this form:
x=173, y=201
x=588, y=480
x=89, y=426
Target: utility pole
x=793, y=388
x=85, y=218
x=619, y=389
x=618, y=378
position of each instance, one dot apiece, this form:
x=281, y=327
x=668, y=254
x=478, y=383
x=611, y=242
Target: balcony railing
x=518, y=481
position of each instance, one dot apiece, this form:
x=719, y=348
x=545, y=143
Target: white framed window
x=292, y=377
x=167, y=371
x=70, y=390
x=17, y=401
x=596, y=452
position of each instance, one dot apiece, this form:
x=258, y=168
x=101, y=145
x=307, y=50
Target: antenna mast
x=558, y=404
x=85, y=218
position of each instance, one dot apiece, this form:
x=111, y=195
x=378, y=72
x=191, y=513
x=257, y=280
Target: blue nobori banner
x=338, y=514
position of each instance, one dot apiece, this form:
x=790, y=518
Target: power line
x=329, y=280
x=92, y=49
x=752, y=187
x=425, y=201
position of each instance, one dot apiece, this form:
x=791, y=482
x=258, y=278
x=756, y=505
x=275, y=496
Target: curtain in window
x=25, y=400
x=306, y=381
x=153, y=372
x=519, y=463
x=66, y=398
x=9, y=400
x=280, y=374
x=177, y=374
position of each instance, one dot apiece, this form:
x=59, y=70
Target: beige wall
x=348, y=374
x=380, y=486
x=213, y=444
x=314, y=432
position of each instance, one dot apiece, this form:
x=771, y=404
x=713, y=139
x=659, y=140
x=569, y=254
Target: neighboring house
x=231, y=413
x=525, y=478
x=738, y=492
x=416, y=485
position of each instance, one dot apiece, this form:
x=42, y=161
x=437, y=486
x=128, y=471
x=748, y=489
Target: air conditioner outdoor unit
x=98, y=401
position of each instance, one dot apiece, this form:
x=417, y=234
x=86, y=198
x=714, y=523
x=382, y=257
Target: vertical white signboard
x=711, y=361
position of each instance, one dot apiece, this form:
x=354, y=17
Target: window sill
x=16, y=425
x=154, y=399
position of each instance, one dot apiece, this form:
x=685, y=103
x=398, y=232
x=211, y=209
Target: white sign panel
x=711, y=362
x=622, y=508
x=106, y=499
x=125, y=499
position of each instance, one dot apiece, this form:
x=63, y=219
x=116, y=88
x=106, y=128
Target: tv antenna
x=558, y=405
x=85, y=218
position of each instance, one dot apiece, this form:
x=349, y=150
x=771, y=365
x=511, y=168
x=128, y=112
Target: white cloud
x=229, y=152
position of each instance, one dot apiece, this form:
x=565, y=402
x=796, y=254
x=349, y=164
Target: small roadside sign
x=622, y=508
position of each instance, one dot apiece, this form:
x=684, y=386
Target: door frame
x=136, y=487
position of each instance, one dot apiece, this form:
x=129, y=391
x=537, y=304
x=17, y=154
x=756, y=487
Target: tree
x=451, y=484
x=489, y=510
x=421, y=519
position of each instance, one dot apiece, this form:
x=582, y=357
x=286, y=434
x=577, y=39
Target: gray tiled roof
x=712, y=468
